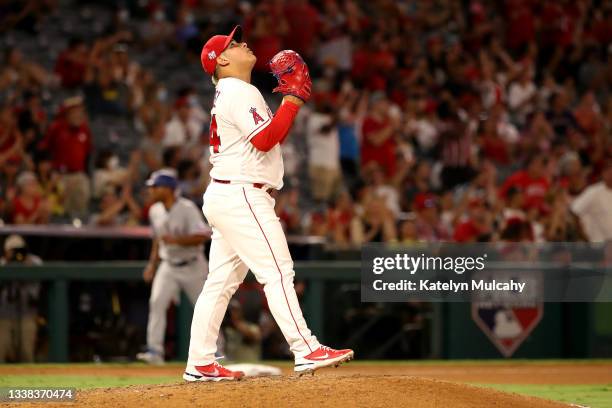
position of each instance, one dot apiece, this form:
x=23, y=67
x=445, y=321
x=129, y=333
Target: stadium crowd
x=430, y=121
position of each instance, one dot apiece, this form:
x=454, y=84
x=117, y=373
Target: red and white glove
x=292, y=74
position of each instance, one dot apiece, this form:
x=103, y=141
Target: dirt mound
x=486, y=373
x=322, y=390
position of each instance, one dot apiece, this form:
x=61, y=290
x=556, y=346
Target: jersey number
x=215, y=140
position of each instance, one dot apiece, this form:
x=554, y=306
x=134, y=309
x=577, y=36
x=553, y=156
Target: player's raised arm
x=294, y=82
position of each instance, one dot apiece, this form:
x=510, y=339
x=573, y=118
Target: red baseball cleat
x=211, y=372
x=322, y=357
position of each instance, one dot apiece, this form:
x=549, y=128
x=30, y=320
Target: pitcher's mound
x=321, y=390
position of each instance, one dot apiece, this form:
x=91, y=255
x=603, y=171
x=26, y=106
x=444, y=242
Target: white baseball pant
x=167, y=283
x=247, y=234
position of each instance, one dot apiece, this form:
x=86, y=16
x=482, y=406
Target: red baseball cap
x=215, y=46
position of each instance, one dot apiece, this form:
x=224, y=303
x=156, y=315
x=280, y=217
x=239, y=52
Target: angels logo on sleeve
x=256, y=116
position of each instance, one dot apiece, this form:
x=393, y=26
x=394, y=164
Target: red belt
x=256, y=185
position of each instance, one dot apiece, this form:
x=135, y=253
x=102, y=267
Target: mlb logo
x=507, y=319
x=212, y=55
x=506, y=327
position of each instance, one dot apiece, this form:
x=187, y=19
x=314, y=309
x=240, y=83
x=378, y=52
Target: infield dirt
x=425, y=386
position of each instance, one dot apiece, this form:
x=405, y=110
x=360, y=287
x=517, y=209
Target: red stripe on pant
x=277, y=267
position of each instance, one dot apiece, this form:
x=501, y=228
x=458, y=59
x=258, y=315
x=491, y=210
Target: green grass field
x=590, y=395
x=596, y=396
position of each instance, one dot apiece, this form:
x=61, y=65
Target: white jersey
x=240, y=112
x=595, y=211
x=184, y=218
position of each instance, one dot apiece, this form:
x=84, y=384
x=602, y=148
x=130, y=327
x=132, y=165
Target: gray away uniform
x=182, y=267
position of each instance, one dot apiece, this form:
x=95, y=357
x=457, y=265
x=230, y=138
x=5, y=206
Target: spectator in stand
x=517, y=231
x=352, y=108
x=123, y=69
x=505, y=128
x=109, y=173
x=29, y=205
x=185, y=29
x=456, y=149
x=573, y=175
x=71, y=64
x=339, y=217
x=117, y=209
x=513, y=207
x=153, y=108
x=151, y=147
x=492, y=146
x=560, y=116
x=12, y=154
x=304, y=23
x=182, y=129
x=484, y=186
x=385, y=191
x=428, y=222
x=19, y=73
x=424, y=127
x=522, y=96
x=521, y=27
x=197, y=114
x=68, y=141
x=141, y=86
x=377, y=224
x=408, y=232
x=378, y=131
x=265, y=27
x=560, y=225
x=449, y=210
x=288, y=210
x=51, y=184
x=156, y=30
x=588, y=114
x=539, y=136
x=190, y=183
x=419, y=181
x=594, y=209
x=105, y=95
x=477, y=225
x=323, y=152
x=171, y=157
x=316, y=224
x=533, y=182
x=32, y=122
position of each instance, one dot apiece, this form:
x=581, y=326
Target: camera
x=18, y=255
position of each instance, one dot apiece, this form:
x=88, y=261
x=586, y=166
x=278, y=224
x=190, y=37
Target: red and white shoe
x=322, y=357
x=211, y=372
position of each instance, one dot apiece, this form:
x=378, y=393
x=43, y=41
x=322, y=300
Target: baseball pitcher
x=245, y=139
x=177, y=258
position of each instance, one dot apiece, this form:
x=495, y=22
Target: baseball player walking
x=177, y=258
x=246, y=157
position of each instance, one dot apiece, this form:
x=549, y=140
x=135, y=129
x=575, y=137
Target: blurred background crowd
x=431, y=121
x=443, y=120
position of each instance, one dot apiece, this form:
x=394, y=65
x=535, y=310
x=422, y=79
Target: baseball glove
x=292, y=74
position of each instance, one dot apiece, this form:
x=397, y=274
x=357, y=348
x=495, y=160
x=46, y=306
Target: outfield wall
x=576, y=330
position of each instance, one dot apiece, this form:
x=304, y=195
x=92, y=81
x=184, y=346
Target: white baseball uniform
x=182, y=267
x=247, y=234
